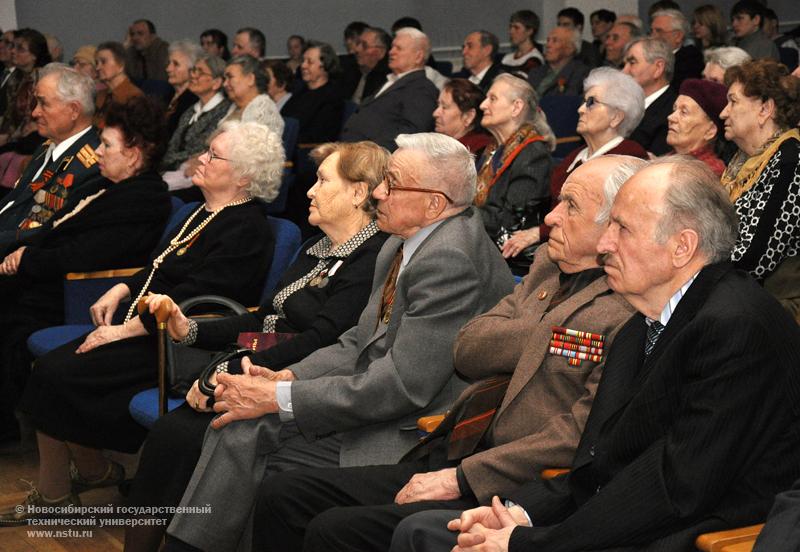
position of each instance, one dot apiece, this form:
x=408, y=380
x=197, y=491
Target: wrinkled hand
x=519, y=240
x=196, y=398
x=438, y=485
x=10, y=264
x=177, y=324
x=487, y=528
x=191, y=166
x=243, y=397
x=263, y=372
x=102, y=336
x=102, y=311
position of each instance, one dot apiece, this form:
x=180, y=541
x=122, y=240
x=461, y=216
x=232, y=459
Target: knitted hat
x=710, y=96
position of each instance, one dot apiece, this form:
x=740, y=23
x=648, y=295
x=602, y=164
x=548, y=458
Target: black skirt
x=83, y=398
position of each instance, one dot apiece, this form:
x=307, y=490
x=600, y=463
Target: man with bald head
x=405, y=102
x=540, y=415
x=562, y=73
x=694, y=428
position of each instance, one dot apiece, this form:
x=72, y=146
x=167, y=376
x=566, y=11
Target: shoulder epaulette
x=87, y=156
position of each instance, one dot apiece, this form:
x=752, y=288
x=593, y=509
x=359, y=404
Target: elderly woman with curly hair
x=763, y=178
x=320, y=296
x=77, y=395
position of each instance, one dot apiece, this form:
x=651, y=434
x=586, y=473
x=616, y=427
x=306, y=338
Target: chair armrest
x=98, y=274
x=568, y=139
x=219, y=300
x=721, y=540
x=550, y=473
x=429, y=423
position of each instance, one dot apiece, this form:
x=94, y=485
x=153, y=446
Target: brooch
x=577, y=345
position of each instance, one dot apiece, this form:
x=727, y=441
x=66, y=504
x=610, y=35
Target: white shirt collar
x=476, y=79
x=199, y=109
x=282, y=100
x=64, y=145
x=412, y=243
x=654, y=96
x=392, y=78
x=672, y=304
x=583, y=155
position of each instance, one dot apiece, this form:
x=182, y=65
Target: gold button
x=542, y=295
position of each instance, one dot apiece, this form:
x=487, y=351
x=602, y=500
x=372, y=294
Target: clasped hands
x=487, y=528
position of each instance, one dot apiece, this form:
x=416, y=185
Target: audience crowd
x=394, y=390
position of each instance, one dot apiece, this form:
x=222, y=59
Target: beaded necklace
x=178, y=241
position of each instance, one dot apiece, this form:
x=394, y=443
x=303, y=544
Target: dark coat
x=405, y=107
x=486, y=82
x=689, y=64
x=697, y=437
x=319, y=112
x=570, y=78
x=651, y=133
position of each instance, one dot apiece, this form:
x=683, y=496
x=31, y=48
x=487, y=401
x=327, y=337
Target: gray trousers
x=426, y=532
x=226, y=480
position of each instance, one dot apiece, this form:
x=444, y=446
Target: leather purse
x=204, y=381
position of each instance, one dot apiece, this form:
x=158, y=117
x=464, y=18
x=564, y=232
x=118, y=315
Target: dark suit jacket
x=22, y=195
x=651, y=133
x=570, y=76
x=689, y=64
x=405, y=107
x=697, y=437
x=494, y=70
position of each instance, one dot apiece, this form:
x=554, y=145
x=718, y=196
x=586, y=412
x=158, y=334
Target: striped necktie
x=389, y=287
x=654, y=330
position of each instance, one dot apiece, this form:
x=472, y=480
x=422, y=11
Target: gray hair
x=250, y=66
x=256, y=153
x=679, y=21
x=621, y=92
x=188, y=48
x=215, y=64
x=522, y=90
x=71, y=86
x=421, y=40
x=452, y=166
x=655, y=49
x=696, y=200
x=627, y=168
x=576, y=40
x=726, y=56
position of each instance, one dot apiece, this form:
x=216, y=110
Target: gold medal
x=180, y=251
x=387, y=315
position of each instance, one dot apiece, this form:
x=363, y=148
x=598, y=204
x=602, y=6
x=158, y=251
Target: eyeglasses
x=591, y=101
x=212, y=156
x=199, y=72
x=391, y=186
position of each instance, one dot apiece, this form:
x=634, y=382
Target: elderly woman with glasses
x=77, y=395
x=320, y=296
x=182, y=56
x=613, y=106
x=190, y=138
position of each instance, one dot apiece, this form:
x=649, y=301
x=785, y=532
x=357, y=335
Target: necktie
x=389, y=287
x=653, y=333
x=359, y=92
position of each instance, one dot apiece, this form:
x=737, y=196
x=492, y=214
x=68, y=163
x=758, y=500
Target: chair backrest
x=287, y=241
x=562, y=116
x=159, y=90
x=180, y=212
x=444, y=67
x=291, y=131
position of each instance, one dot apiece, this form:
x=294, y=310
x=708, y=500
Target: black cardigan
x=317, y=315
x=319, y=112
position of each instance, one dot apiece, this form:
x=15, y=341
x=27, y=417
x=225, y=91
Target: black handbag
x=204, y=381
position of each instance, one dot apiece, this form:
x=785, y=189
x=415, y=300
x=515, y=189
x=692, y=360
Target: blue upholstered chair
x=562, y=116
x=291, y=132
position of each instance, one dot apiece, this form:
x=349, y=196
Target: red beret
x=710, y=96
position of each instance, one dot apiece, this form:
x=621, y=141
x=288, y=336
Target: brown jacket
x=542, y=416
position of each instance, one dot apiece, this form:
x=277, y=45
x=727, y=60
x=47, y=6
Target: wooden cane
x=162, y=315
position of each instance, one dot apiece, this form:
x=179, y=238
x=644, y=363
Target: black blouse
x=319, y=112
x=317, y=314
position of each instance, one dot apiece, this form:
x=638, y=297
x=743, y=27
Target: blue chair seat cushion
x=46, y=340
x=144, y=406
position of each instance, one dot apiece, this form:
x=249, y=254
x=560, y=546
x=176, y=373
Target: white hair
x=576, y=40
x=451, y=165
x=621, y=92
x=190, y=49
x=627, y=168
x=679, y=21
x=521, y=90
x=421, y=40
x=71, y=86
x=256, y=153
x=726, y=56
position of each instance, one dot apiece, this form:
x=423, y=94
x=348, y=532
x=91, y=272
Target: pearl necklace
x=178, y=241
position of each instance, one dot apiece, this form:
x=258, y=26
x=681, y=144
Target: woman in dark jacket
x=319, y=297
x=77, y=396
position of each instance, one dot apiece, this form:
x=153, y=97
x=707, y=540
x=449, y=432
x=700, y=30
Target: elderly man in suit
x=64, y=163
x=371, y=51
x=478, y=54
x=562, y=73
x=405, y=103
x=694, y=426
x=541, y=413
x=651, y=63
x=353, y=403
x=671, y=26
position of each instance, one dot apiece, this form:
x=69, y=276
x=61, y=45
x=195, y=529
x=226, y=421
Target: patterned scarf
x=743, y=172
x=498, y=158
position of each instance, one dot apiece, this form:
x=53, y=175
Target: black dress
x=317, y=314
x=116, y=229
x=84, y=398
